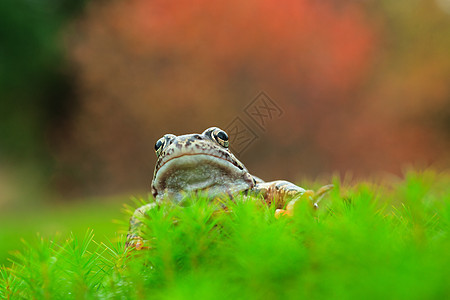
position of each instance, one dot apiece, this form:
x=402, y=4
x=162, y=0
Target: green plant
x=385, y=241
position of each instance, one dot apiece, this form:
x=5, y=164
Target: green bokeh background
x=35, y=95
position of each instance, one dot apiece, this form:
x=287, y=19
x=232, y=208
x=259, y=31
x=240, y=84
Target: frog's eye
x=221, y=137
x=159, y=145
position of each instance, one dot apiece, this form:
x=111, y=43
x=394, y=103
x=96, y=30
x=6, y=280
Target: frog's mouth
x=194, y=172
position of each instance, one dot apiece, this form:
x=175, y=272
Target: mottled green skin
x=202, y=162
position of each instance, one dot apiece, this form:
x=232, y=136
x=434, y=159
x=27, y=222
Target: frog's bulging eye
x=221, y=137
x=159, y=145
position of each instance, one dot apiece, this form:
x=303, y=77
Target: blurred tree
x=406, y=103
x=36, y=94
x=359, y=82
x=35, y=85
x=417, y=65
x=151, y=67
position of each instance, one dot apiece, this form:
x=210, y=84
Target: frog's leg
x=309, y=195
x=278, y=192
x=281, y=192
x=134, y=236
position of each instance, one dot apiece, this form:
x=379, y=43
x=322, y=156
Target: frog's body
x=202, y=162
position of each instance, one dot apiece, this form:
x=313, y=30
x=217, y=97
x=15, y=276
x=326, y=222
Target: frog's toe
x=322, y=192
x=137, y=243
x=290, y=207
x=282, y=212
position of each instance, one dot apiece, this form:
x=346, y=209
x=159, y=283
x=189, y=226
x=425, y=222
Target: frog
x=193, y=163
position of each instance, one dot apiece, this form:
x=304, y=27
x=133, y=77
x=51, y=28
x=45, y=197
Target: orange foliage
x=151, y=67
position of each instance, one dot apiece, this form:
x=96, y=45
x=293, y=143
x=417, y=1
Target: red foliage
x=152, y=67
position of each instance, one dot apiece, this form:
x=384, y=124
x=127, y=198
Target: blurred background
x=87, y=87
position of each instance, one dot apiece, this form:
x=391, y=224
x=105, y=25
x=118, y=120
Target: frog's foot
x=313, y=197
x=134, y=239
x=290, y=207
x=136, y=242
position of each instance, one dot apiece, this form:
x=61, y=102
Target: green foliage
x=382, y=242
x=76, y=217
x=34, y=87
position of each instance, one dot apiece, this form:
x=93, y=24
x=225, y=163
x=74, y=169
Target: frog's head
x=194, y=162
